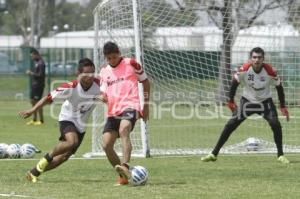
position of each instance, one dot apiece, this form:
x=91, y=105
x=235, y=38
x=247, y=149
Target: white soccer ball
x=139, y=176
x=252, y=144
x=3, y=150
x=13, y=150
x=27, y=150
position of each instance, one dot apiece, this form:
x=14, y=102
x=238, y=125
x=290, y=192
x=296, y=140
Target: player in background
x=119, y=81
x=80, y=97
x=37, y=85
x=257, y=77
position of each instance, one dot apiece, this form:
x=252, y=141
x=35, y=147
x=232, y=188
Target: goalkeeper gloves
x=285, y=112
x=232, y=105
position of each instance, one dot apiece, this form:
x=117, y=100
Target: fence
x=61, y=65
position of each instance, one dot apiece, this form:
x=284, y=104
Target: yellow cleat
x=209, y=158
x=37, y=123
x=31, y=122
x=41, y=165
x=283, y=159
x=30, y=177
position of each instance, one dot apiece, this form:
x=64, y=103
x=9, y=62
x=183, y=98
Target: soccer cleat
x=37, y=123
x=30, y=177
x=42, y=164
x=123, y=171
x=121, y=181
x=31, y=122
x=283, y=159
x=209, y=158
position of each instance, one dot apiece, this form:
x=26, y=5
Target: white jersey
x=78, y=104
x=257, y=86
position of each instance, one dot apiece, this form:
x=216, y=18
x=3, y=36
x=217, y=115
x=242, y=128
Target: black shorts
x=66, y=127
x=113, y=123
x=266, y=109
x=36, y=92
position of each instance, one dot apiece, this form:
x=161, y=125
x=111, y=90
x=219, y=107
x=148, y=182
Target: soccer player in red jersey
x=119, y=82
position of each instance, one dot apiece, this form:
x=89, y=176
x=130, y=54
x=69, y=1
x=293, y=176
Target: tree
x=41, y=15
x=294, y=13
x=45, y=19
x=161, y=13
x=17, y=20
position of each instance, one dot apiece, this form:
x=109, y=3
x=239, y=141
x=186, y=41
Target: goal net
x=189, y=50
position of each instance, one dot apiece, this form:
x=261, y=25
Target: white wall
x=11, y=41
x=271, y=38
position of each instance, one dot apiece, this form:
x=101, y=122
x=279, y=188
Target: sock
x=125, y=165
x=35, y=172
x=48, y=158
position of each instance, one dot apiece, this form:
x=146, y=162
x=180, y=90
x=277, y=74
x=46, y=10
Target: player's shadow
x=81, y=181
x=167, y=183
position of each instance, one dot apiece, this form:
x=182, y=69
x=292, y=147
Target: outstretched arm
x=233, y=88
x=231, y=104
x=281, y=95
x=39, y=104
x=281, y=98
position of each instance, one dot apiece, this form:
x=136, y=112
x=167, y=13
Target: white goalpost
x=189, y=50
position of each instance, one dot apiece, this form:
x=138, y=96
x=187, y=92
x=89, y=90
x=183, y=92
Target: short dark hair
x=257, y=50
x=34, y=51
x=84, y=62
x=110, y=47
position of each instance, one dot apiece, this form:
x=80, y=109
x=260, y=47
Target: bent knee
x=66, y=156
x=107, y=147
x=73, y=144
x=124, y=131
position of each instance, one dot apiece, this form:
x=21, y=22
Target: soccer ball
x=27, y=150
x=13, y=150
x=3, y=150
x=252, y=144
x=139, y=176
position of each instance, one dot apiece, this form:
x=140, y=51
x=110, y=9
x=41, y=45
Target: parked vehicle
x=60, y=69
x=6, y=65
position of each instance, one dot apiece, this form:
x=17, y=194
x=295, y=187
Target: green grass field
x=173, y=178
x=242, y=176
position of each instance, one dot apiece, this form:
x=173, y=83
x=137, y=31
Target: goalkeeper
x=257, y=78
x=80, y=98
x=119, y=81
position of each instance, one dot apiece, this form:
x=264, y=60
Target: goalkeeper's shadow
x=294, y=161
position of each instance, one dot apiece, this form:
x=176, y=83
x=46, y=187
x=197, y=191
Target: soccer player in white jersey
x=80, y=97
x=257, y=78
x=119, y=82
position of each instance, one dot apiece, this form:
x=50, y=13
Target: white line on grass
x=12, y=194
